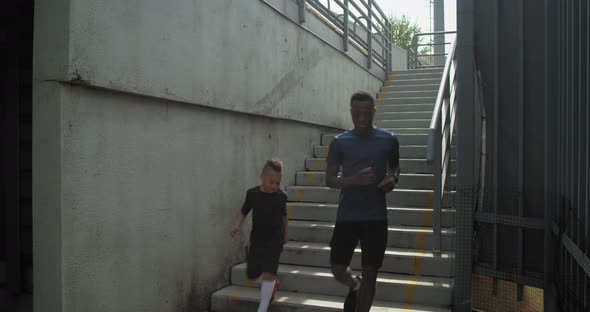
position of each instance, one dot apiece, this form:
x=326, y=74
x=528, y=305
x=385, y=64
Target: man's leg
x=344, y=241
x=343, y=274
x=373, y=237
x=367, y=290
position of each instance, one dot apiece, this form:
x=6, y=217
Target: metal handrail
x=378, y=27
x=440, y=136
x=413, y=53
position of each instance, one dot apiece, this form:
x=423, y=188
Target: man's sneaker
x=350, y=301
x=275, y=289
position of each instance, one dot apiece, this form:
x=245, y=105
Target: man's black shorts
x=371, y=234
x=263, y=257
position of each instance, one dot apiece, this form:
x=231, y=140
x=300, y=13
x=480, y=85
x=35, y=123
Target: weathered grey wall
x=150, y=121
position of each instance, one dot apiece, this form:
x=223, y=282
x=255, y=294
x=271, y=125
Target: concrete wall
x=150, y=122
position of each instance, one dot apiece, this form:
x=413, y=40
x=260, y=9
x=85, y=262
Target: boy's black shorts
x=371, y=234
x=263, y=257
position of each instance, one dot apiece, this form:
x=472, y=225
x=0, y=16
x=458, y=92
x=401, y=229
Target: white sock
x=265, y=294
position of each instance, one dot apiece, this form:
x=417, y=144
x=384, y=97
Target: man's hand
x=365, y=177
x=387, y=184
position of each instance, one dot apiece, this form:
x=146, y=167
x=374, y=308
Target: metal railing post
x=301, y=4
x=370, y=35
x=346, y=30
x=437, y=207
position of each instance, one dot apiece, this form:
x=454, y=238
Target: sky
x=419, y=11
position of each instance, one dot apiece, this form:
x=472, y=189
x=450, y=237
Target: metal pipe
x=301, y=4
x=495, y=125
x=521, y=100
x=346, y=30
x=370, y=37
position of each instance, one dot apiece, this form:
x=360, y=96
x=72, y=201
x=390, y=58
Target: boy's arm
x=246, y=207
x=286, y=227
x=237, y=223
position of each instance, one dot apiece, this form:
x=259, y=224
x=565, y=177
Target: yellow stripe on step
x=417, y=264
x=385, y=88
x=290, y=208
x=231, y=298
x=309, y=178
x=300, y=195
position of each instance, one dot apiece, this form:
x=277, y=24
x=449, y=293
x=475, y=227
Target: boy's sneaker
x=275, y=289
x=350, y=301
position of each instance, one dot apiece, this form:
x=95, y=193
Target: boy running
x=269, y=229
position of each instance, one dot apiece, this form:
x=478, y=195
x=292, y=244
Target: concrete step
x=417, y=75
x=402, y=115
x=405, y=151
x=407, y=123
x=404, y=139
x=396, y=215
x=418, y=87
x=245, y=299
x=399, y=197
x=406, y=165
x=411, y=181
x=409, y=100
x=439, y=69
x=400, y=108
x=408, y=94
x=402, y=81
x=411, y=237
x=436, y=291
x=397, y=260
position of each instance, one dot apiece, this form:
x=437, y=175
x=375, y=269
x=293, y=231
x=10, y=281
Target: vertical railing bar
x=370, y=36
x=436, y=247
x=346, y=27
x=301, y=4
x=587, y=191
x=521, y=100
x=581, y=148
x=495, y=154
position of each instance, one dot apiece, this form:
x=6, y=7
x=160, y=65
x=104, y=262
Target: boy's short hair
x=274, y=164
x=362, y=96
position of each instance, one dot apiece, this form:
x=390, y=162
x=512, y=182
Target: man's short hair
x=274, y=164
x=362, y=96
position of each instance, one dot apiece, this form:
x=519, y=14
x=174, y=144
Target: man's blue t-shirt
x=355, y=153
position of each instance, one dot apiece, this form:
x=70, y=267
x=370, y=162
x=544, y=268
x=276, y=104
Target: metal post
x=495, y=125
x=415, y=51
x=301, y=4
x=439, y=25
x=466, y=156
x=370, y=35
x=519, y=240
x=345, y=36
x=390, y=46
x=438, y=193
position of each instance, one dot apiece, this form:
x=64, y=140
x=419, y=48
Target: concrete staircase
x=412, y=278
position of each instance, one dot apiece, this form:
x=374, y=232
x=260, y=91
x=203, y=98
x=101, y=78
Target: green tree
x=403, y=32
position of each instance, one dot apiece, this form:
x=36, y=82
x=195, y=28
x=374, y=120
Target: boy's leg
x=266, y=290
x=373, y=244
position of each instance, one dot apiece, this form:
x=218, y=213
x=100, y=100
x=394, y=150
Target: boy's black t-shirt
x=267, y=217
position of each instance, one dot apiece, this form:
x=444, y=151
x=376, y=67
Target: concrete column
x=439, y=25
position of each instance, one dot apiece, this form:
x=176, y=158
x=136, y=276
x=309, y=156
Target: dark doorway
x=16, y=252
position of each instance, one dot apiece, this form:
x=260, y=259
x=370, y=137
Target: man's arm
x=393, y=170
x=365, y=176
